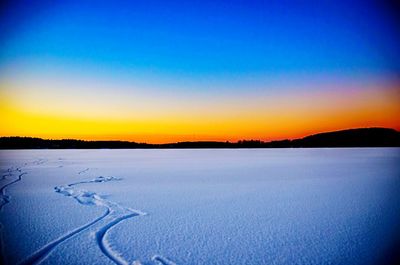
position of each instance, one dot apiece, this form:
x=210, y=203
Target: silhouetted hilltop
x=362, y=137
x=352, y=138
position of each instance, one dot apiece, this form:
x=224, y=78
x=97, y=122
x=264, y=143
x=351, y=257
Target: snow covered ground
x=209, y=206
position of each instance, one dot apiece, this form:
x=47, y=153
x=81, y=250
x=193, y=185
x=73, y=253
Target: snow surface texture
x=247, y=206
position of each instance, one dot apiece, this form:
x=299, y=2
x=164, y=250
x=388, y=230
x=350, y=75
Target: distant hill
x=361, y=137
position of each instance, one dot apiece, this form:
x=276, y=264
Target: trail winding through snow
x=17, y=173
x=113, y=215
x=5, y=199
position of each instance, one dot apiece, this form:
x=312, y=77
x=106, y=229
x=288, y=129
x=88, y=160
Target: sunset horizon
x=211, y=71
x=166, y=139
x=200, y=132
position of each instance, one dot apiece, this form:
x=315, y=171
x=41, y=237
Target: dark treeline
x=363, y=137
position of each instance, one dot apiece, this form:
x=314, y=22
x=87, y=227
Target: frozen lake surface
x=208, y=206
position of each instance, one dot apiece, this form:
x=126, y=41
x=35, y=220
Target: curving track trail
x=113, y=215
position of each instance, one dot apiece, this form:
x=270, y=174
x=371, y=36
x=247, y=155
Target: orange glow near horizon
x=142, y=117
x=165, y=72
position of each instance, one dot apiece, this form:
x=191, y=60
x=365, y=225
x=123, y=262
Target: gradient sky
x=165, y=71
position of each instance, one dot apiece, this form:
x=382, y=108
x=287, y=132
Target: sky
x=167, y=71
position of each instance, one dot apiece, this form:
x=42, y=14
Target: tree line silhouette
x=360, y=137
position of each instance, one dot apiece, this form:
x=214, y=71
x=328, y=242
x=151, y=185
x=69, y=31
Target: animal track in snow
x=100, y=226
x=83, y=171
x=160, y=260
x=16, y=173
x=5, y=199
x=11, y=172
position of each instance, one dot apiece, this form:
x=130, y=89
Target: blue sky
x=205, y=38
x=161, y=71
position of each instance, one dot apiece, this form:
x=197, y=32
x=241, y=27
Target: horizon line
x=202, y=141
